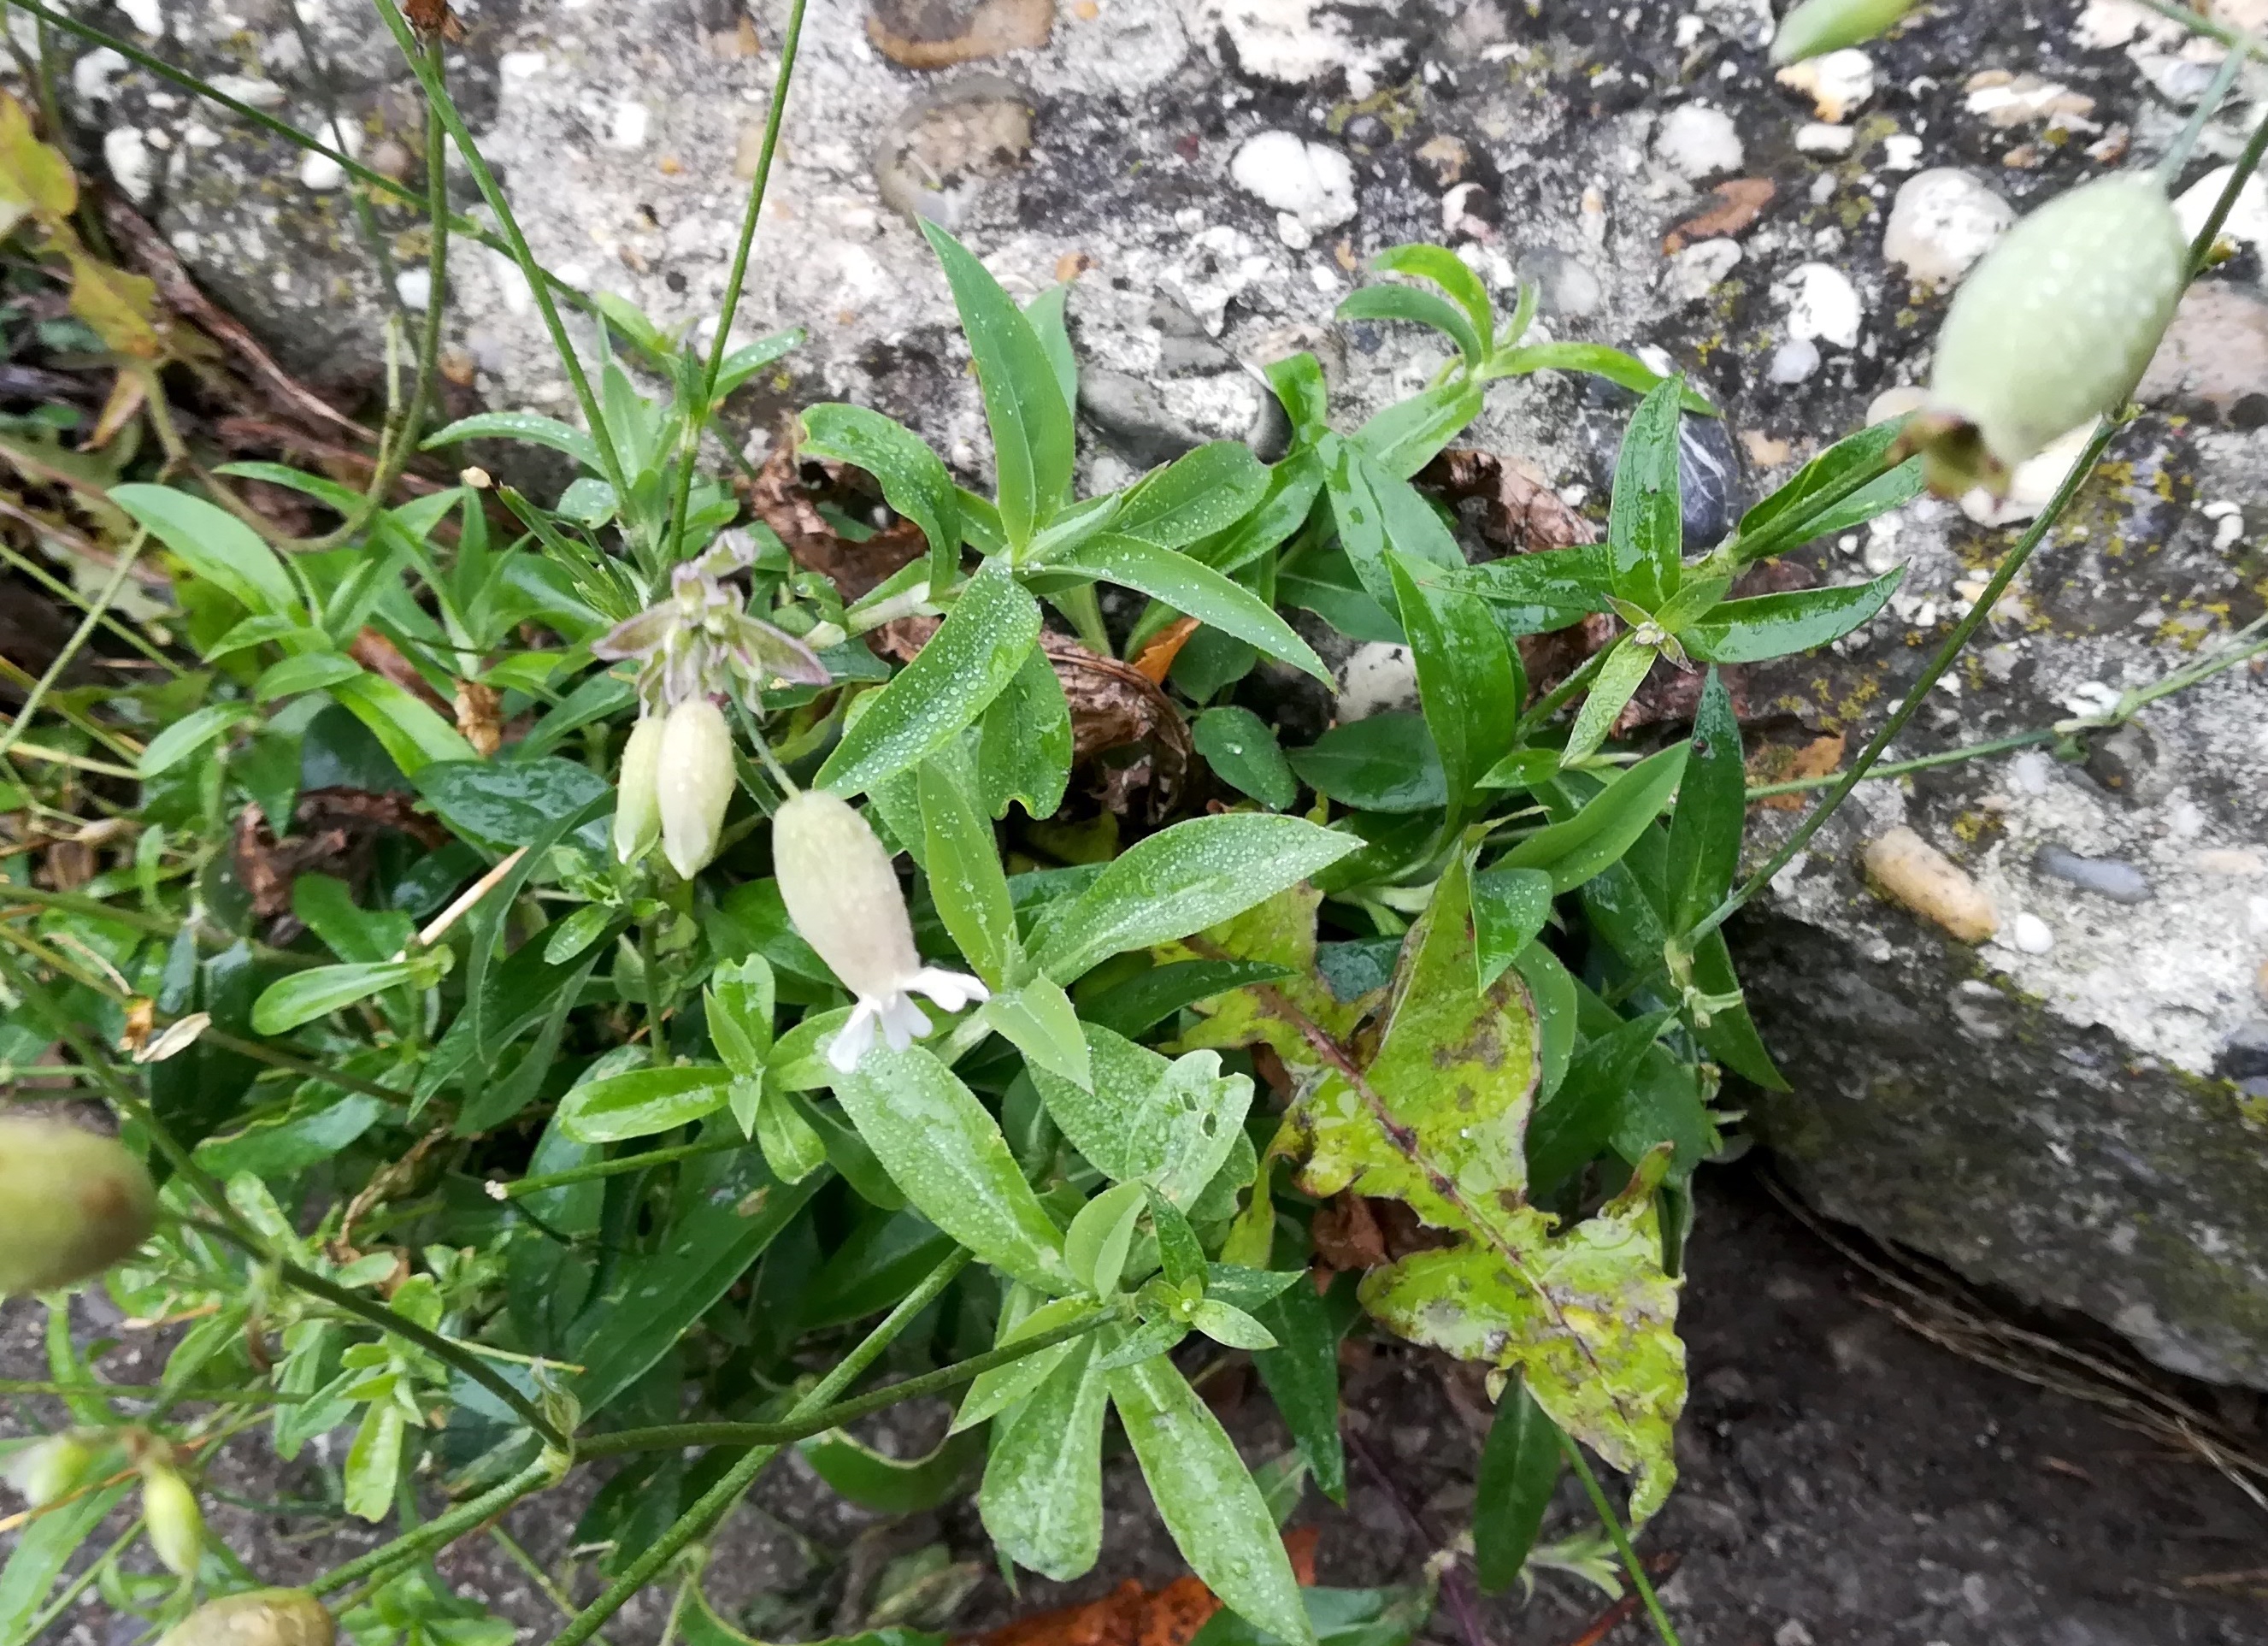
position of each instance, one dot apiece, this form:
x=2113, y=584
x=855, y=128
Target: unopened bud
x=260, y=1617
x=176, y=1525
x=45, y=1470
x=695, y=783
x=71, y=1204
x=2051, y=330
x=1824, y=25
x=638, y=805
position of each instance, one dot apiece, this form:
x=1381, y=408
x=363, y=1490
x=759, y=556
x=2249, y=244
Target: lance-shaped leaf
x=1042, y=1496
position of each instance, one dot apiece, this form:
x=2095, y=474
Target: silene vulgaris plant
x=724, y=1015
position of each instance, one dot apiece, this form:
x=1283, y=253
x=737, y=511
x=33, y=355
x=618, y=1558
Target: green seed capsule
x=176, y=1524
x=1824, y=25
x=638, y=805
x=71, y=1204
x=2051, y=330
x=260, y=1617
x=47, y=1469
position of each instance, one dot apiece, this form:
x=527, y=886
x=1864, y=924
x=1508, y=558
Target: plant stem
x=442, y=1529
x=125, y=748
x=718, y=345
x=2169, y=165
x=1555, y=700
x=79, y=636
x=2236, y=38
x=78, y=1586
x=151, y=1391
x=718, y=1499
x=1923, y=762
x=65, y=757
x=670, y=1437
x=63, y=591
x=1631, y=1562
x=437, y=96
x=608, y=1168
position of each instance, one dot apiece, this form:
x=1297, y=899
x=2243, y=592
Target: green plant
x=600, y=1159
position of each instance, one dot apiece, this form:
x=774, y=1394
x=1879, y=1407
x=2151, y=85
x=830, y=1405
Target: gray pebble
x=2105, y=876
x=1793, y=362
x=2244, y=1054
x=1131, y=417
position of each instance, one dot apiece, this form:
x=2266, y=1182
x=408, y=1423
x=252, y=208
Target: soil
x=1845, y=1481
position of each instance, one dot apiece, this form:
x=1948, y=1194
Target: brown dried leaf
x=1739, y=201
x=141, y=1018
x=781, y=498
x=1157, y=658
x=430, y=18
x=480, y=716
x=338, y=829
x=1129, y=1616
x=1347, y=1233
x=119, y=308
x=379, y=655
x=1522, y=511
x=1822, y=756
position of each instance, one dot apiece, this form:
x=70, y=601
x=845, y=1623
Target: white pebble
x=521, y=65
x=1312, y=182
x=2256, y=917
x=1824, y=306
x=415, y=287
x=1696, y=141
x=95, y=75
x=135, y=167
x=2033, y=935
x=147, y=16
x=1376, y=677
x=1901, y=151
x=1793, y=361
x=1699, y=267
x=250, y=89
x=2248, y=219
x=1817, y=137
x=2031, y=771
x=1839, y=82
x=1942, y=221
x=627, y=129
x=321, y=172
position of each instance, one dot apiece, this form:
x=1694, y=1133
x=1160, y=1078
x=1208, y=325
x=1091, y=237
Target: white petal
x=903, y=1022
x=951, y=989
x=855, y=1039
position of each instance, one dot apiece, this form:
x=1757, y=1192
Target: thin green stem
x=2240, y=173
x=151, y=1391
x=437, y=95
x=2236, y=38
x=718, y=1499
x=118, y=744
x=1631, y=1562
x=63, y=591
x=721, y=344
x=2169, y=165
x=442, y=1529
x=536, y=1575
x=77, y=762
x=771, y=765
x=1557, y=699
x=609, y=1167
x=78, y=1585
x=1923, y=763
x=1779, y=536
x=669, y=1437
x=79, y=638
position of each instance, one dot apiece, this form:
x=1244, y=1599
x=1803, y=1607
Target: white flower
x=693, y=783
x=843, y=898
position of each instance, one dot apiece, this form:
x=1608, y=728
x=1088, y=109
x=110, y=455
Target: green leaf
x=994, y=1392
x=751, y=358
x=304, y=996
x=911, y=476
x=1645, y=524
x=1024, y=745
x=1024, y=403
x=1042, y=1500
x=1623, y=370
x=1095, y=1246
x=374, y=1461
x=1134, y=1007
x=945, y=1150
x=1183, y=879
x=791, y=1148
x=1401, y=302
x=1298, y=380
x=1511, y=905
x=1387, y=762
x=1895, y=490
x=1302, y=1374
x=1730, y=1036
x=1207, y=1498
x=1573, y=851
x=411, y=733
x=639, y=1103
x=1341, y=1617
x=1464, y=679
x=1204, y=491
x=1046, y=313
x=893, y=1485
x=992, y=629
x=1243, y=753
x=1777, y=625
x=1575, y=1123
x=1704, y=830
x=1625, y=670
x=1145, y=1118
x=1376, y=511
x=729, y=1208
x=532, y=427
x=1782, y=520
x=186, y=736
x=1520, y=1467
x=1537, y=593
x=1192, y=588
x=1444, y=268
x=1039, y=1019
x=1282, y=510
x=1408, y=434
x=1324, y=581
x=965, y=879
x=502, y=804
x=216, y=545
x=38, y=1555
x=310, y=671
x=1551, y=992
x=1230, y=1327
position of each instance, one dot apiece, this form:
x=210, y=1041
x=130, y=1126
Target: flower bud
x=1818, y=26
x=45, y=1470
x=842, y=895
x=638, y=805
x=71, y=1204
x=2053, y=328
x=176, y=1525
x=259, y=1617
x=695, y=783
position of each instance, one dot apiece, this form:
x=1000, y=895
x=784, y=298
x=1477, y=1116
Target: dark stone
x=1368, y=131
x=1709, y=477
x=2110, y=877
x=2244, y=1054
x=1130, y=418
x=2125, y=760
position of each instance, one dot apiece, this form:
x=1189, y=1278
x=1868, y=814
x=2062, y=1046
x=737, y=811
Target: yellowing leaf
x=1281, y=930
x=118, y=307
x=35, y=180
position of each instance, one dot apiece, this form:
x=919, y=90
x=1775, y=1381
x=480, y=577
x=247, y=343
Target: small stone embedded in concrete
x=1311, y=183
x=135, y=167
x=1708, y=481
x=1698, y=142
x=1838, y=82
x=1699, y=267
x=1942, y=221
x=1901, y=151
x=937, y=34
x=2246, y=223
x=1905, y=868
x=2244, y=1054
x=1817, y=137
x=1793, y=362
x=2032, y=935
x=2216, y=351
x=1823, y=306
x=2110, y=877
x=1376, y=678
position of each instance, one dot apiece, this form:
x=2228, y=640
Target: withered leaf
x=1740, y=200
x=1522, y=510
